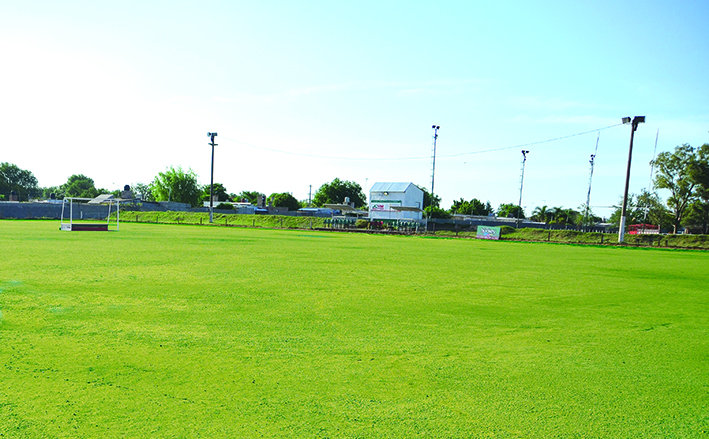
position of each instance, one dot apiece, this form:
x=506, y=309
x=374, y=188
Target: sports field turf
x=189, y=331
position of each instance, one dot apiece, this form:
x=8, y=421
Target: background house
x=395, y=201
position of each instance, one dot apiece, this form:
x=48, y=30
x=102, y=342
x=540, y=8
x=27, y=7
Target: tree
x=541, y=214
x=588, y=218
x=23, y=182
x=249, y=196
x=56, y=190
x=676, y=172
x=285, y=199
x=697, y=215
x=219, y=191
x=146, y=194
x=336, y=191
x=644, y=208
x=472, y=207
x=510, y=211
x=79, y=185
x=427, y=197
x=436, y=212
x=177, y=185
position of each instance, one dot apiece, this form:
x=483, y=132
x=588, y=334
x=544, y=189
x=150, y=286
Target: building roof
x=392, y=187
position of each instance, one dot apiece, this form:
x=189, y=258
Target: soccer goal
x=68, y=224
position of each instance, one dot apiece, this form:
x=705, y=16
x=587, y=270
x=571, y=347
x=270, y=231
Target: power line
x=416, y=158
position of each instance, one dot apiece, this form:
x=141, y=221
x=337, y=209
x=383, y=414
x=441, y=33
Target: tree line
x=684, y=173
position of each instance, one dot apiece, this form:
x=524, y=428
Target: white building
x=395, y=201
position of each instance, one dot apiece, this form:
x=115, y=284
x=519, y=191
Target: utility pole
x=433, y=165
x=310, y=194
x=521, y=185
x=634, y=126
x=211, y=181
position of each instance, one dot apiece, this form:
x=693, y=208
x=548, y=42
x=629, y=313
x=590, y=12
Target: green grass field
x=188, y=331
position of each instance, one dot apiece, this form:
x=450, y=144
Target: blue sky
x=304, y=92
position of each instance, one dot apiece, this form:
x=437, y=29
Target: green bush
x=361, y=224
x=225, y=206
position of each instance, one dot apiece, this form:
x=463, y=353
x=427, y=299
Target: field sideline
x=188, y=331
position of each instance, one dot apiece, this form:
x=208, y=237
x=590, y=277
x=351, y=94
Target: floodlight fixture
x=626, y=120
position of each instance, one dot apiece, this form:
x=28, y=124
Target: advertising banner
x=488, y=232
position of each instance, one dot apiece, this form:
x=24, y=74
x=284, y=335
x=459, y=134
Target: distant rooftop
x=391, y=187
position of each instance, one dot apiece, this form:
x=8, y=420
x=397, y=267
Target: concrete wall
x=16, y=210
x=50, y=210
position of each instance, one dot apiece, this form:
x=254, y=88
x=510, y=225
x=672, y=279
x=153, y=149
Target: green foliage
x=223, y=219
x=565, y=217
x=676, y=172
x=506, y=230
x=177, y=185
x=427, y=198
x=284, y=199
x=436, y=212
x=541, y=214
x=472, y=207
x=219, y=190
x=697, y=216
x=643, y=208
x=249, y=196
x=337, y=190
x=23, y=182
x=56, y=190
x=143, y=191
x=79, y=185
x=510, y=211
x=224, y=206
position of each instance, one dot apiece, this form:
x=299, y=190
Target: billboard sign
x=488, y=232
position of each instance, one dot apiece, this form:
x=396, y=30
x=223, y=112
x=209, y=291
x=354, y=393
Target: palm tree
x=540, y=214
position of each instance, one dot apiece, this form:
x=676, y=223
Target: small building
x=395, y=201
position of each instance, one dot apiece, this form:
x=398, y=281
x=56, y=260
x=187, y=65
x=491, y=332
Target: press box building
x=395, y=201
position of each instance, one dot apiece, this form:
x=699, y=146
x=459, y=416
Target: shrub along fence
x=228, y=220
x=508, y=233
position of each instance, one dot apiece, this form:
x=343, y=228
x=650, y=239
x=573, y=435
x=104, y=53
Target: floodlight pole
x=634, y=126
x=433, y=165
x=211, y=181
x=521, y=184
x=590, y=180
x=588, y=196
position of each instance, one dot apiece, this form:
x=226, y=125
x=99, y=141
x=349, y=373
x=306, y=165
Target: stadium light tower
x=521, y=184
x=211, y=181
x=433, y=165
x=634, y=126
